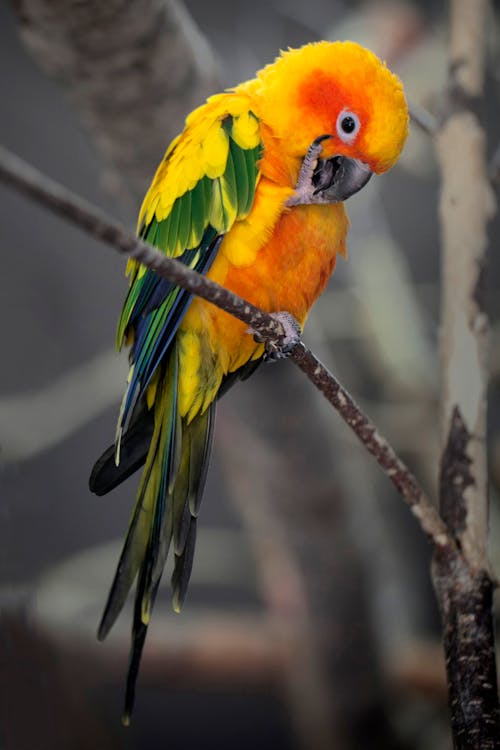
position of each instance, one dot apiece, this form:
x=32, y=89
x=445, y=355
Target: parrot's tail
x=106, y=474
x=166, y=508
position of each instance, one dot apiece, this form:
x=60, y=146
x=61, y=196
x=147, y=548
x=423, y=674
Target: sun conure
x=251, y=194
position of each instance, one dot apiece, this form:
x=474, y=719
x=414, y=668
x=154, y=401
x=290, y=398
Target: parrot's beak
x=339, y=177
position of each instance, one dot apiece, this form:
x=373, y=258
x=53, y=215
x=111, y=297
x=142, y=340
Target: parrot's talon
x=305, y=187
x=311, y=162
x=330, y=180
x=292, y=333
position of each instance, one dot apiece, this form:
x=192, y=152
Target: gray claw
x=329, y=180
x=305, y=181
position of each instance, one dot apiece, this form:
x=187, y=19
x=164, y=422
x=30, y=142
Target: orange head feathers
x=335, y=88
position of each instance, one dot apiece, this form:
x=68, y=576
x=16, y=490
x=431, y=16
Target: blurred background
x=310, y=621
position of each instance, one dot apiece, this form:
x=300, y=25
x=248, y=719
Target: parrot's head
x=344, y=95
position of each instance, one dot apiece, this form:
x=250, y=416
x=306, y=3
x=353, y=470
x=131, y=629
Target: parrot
x=251, y=194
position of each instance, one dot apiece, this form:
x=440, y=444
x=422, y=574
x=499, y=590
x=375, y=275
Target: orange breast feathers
x=288, y=271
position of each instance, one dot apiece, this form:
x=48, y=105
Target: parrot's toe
x=292, y=333
x=329, y=180
x=305, y=187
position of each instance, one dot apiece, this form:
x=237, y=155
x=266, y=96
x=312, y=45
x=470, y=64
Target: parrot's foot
x=292, y=336
x=307, y=189
x=329, y=180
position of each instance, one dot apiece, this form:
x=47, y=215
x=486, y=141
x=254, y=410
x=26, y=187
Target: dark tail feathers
x=106, y=475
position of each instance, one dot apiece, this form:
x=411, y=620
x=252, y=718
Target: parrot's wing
x=205, y=183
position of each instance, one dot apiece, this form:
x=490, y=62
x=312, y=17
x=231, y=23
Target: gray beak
x=338, y=178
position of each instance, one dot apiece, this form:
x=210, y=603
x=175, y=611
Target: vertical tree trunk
x=463, y=583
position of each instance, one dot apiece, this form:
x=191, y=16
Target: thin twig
x=375, y=443
x=31, y=183
x=424, y=119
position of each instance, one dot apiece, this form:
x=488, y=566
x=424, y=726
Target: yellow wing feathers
x=202, y=151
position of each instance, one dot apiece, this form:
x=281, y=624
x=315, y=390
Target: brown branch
x=50, y=194
x=464, y=585
x=366, y=431
x=59, y=200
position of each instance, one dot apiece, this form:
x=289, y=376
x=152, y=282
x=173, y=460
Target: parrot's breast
x=287, y=272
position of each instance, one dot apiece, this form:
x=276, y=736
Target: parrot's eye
x=348, y=125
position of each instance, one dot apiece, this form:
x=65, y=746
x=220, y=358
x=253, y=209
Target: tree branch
x=31, y=183
x=423, y=119
x=50, y=194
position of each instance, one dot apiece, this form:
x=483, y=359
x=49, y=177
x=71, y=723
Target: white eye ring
x=348, y=126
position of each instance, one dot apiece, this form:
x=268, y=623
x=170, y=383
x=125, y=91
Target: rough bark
x=463, y=584
x=465, y=599
x=466, y=206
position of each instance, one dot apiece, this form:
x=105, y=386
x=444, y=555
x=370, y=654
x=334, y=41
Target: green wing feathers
x=207, y=178
x=189, y=206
